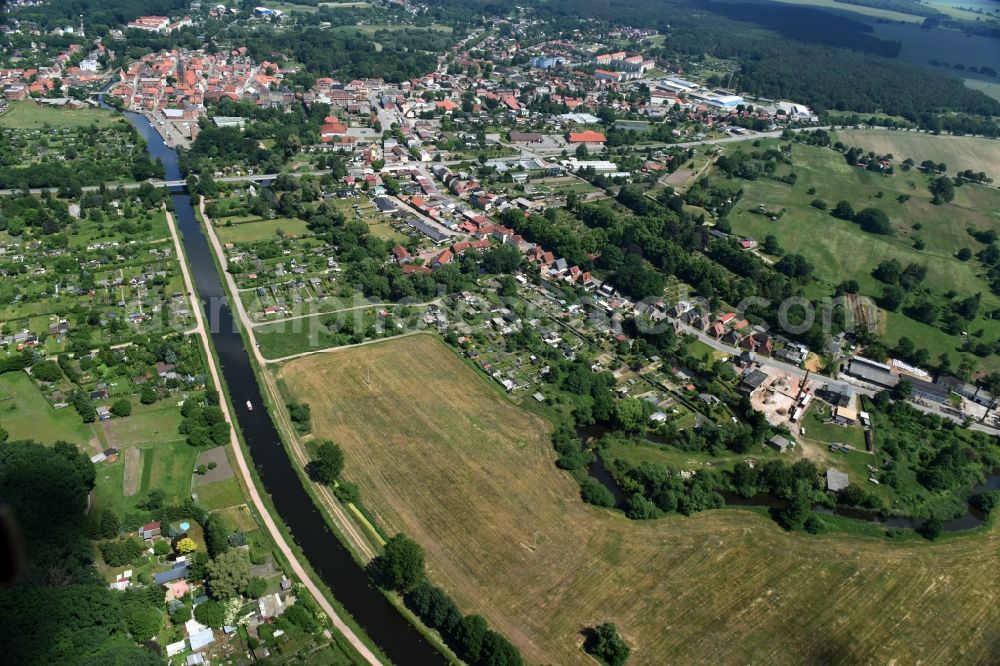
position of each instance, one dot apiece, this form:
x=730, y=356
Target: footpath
x=244, y=470
x=334, y=508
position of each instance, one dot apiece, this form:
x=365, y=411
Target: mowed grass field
x=958, y=152
x=840, y=250
x=987, y=87
x=26, y=414
x=258, y=229
x=29, y=115
x=441, y=455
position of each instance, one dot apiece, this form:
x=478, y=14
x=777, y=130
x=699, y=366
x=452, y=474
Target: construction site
x=783, y=398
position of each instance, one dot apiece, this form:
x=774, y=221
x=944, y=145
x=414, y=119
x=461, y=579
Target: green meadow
x=840, y=250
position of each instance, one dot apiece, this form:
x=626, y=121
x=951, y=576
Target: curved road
x=859, y=386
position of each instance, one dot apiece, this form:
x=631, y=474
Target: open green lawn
x=384, y=231
x=684, y=460
x=442, y=456
x=958, y=152
x=165, y=466
x=26, y=114
x=220, y=494
x=392, y=27
x=284, y=338
x=966, y=9
x=258, y=230
x=988, y=87
x=830, y=433
x=168, y=467
x=839, y=250
x=239, y=518
x=295, y=336
x=166, y=460
x=109, y=488
x=820, y=435
x=26, y=414
x=700, y=350
x=84, y=232
x=148, y=424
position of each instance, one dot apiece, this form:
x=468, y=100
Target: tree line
x=400, y=568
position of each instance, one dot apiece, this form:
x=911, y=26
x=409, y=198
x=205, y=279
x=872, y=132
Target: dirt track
x=132, y=457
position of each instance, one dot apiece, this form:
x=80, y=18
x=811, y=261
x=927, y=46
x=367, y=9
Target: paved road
x=858, y=386
x=385, y=118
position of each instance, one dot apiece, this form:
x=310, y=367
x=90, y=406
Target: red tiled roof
x=333, y=128
x=586, y=137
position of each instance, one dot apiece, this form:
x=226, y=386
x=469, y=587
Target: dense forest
x=827, y=78
x=97, y=12
x=58, y=611
x=404, y=54
x=807, y=24
x=216, y=147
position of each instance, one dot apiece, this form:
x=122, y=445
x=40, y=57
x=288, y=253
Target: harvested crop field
x=957, y=152
x=441, y=455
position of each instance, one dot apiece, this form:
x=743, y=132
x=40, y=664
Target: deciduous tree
x=400, y=566
x=228, y=574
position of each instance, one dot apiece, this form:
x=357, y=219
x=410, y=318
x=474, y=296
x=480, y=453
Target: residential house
x=752, y=381
x=176, y=572
x=401, y=254
x=845, y=415
x=273, y=605
x=150, y=530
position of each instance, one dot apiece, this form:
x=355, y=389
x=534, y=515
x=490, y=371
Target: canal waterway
x=386, y=626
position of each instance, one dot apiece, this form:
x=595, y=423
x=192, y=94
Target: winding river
x=386, y=626
x=971, y=519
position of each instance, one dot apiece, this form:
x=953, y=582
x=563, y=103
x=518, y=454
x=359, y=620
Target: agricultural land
x=435, y=449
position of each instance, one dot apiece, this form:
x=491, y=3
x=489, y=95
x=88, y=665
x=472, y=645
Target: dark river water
x=397, y=638
x=942, y=44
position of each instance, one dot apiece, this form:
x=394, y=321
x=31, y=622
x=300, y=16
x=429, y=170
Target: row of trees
x=400, y=568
